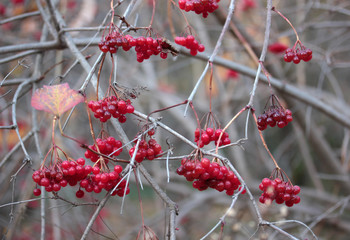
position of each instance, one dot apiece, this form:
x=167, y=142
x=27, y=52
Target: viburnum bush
x=167, y=119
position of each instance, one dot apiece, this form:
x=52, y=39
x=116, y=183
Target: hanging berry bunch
x=211, y=133
x=115, y=40
x=147, y=149
x=203, y=7
x=190, y=43
x=205, y=136
x=207, y=174
x=274, y=114
x=60, y=174
x=103, y=178
x=145, y=47
x=297, y=53
x=278, y=190
x=111, y=106
x=108, y=146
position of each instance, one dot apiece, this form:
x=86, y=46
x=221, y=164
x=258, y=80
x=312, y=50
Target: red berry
x=44, y=182
x=37, y=192
x=81, y=161
x=79, y=194
x=65, y=164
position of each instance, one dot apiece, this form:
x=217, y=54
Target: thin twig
x=214, y=53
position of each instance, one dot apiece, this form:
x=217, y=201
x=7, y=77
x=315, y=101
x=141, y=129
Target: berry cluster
x=207, y=174
x=296, y=55
x=280, y=191
x=109, y=107
x=190, y=43
x=99, y=180
x=71, y=173
x=199, y=6
x=108, y=146
x=144, y=47
x=274, y=116
x=55, y=177
x=204, y=137
x=113, y=41
x=146, y=150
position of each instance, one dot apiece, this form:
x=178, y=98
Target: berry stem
x=166, y=108
x=287, y=20
x=215, y=51
x=264, y=143
x=65, y=135
x=195, y=113
x=98, y=76
x=263, y=52
x=53, y=130
x=153, y=13
x=227, y=125
x=210, y=85
x=183, y=15
x=47, y=154
x=170, y=19
x=112, y=10
x=266, y=73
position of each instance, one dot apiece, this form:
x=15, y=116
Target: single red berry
x=37, y=192
x=81, y=161
x=44, y=182
x=201, y=48
x=163, y=55
x=79, y=194
x=65, y=164
x=296, y=60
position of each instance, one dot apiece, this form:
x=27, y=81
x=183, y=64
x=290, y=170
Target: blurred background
x=313, y=150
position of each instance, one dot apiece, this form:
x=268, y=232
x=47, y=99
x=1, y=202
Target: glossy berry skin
x=109, y=107
x=297, y=54
x=205, y=174
x=274, y=116
x=60, y=175
x=37, y=192
x=204, y=137
x=92, y=179
x=203, y=7
x=279, y=191
x=144, y=47
x=190, y=43
x=79, y=194
x=146, y=150
x=107, y=146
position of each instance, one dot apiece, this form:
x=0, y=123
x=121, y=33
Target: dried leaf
x=56, y=99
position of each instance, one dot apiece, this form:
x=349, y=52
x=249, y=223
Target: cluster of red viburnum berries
x=279, y=191
x=274, y=117
x=298, y=54
x=146, y=150
x=190, y=43
x=204, y=137
x=145, y=47
x=109, y=146
x=203, y=7
x=207, y=174
x=109, y=107
x=74, y=172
